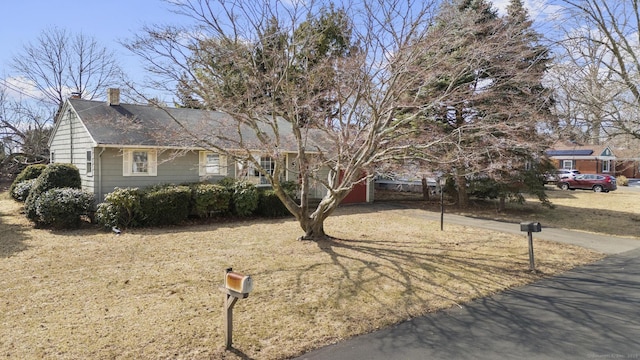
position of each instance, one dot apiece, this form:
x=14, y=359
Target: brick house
x=590, y=159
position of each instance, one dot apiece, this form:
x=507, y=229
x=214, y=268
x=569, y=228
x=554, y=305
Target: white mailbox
x=238, y=282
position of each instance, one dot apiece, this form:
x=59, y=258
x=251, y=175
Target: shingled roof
x=574, y=149
x=148, y=125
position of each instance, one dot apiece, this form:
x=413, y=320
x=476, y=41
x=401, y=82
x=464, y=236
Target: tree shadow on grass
x=425, y=273
x=12, y=237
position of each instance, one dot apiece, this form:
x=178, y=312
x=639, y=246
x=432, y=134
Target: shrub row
x=53, y=198
x=173, y=204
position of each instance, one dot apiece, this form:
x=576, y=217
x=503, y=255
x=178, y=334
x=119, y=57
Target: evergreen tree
x=491, y=69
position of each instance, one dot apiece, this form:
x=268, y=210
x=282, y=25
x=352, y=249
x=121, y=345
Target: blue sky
x=108, y=21
x=22, y=21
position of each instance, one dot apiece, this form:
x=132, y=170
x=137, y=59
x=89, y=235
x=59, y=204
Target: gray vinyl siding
x=70, y=144
x=172, y=168
x=61, y=141
x=316, y=190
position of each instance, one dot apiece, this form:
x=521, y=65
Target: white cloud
x=17, y=88
x=539, y=10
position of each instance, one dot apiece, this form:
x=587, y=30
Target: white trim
x=127, y=162
x=202, y=164
x=89, y=163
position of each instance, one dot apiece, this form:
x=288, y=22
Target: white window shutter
x=153, y=163
x=126, y=162
x=223, y=165
x=202, y=163
x=254, y=168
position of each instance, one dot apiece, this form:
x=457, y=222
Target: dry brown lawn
x=614, y=213
x=153, y=293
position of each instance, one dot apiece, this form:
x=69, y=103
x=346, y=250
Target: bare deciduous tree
x=24, y=132
x=59, y=63
x=252, y=61
x=604, y=35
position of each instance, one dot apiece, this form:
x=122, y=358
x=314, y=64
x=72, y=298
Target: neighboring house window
x=89, y=165
x=212, y=164
x=606, y=166
x=567, y=164
x=139, y=162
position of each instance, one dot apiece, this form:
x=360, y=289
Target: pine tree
x=489, y=73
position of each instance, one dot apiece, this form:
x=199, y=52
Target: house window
x=567, y=164
x=212, y=164
x=89, y=166
x=267, y=163
x=606, y=166
x=139, y=162
x=248, y=170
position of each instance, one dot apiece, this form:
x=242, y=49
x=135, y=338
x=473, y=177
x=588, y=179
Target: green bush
x=244, y=198
x=622, y=180
x=484, y=188
x=31, y=172
x=207, y=199
x=52, y=177
x=21, y=190
x=269, y=205
x=167, y=205
x=121, y=208
x=227, y=182
x=290, y=187
x=62, y=208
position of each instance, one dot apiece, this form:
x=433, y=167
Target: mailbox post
x=236, y=286
x=530, y=228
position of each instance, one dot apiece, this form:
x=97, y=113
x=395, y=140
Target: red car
x=595, y=182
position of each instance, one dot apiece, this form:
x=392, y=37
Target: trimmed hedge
x=21, y=191
x=269, y=205
x=52, y=177
x=166, y=206
x=31, y=172
x=208, y=199
x=244, y=198
x=62, y=208
x=121, y=208
x=172, y=204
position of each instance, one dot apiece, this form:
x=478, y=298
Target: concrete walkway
x=591, y=312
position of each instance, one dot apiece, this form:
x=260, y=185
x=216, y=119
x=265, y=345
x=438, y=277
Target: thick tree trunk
x=463, y=197
x=425, y=189
x=313, y=224
x=315, y=231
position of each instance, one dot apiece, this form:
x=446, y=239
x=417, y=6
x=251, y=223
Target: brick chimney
x=75, y=95
x=113, y=97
